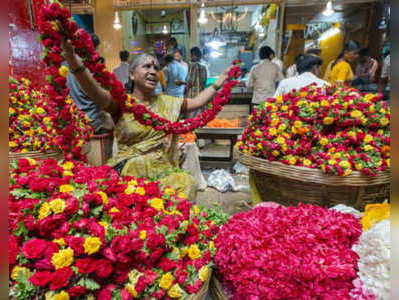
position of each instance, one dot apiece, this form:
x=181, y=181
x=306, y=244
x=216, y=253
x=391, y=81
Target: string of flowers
x=81, y=40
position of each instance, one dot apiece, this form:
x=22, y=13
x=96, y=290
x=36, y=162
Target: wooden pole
x=193, y=25
x=280, y=32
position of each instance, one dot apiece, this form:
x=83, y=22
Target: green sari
x=145, y=152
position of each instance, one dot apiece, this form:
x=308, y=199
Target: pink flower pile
x=301, y=252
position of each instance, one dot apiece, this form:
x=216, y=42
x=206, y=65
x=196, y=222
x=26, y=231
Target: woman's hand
x=66, y=45
x=222, y=77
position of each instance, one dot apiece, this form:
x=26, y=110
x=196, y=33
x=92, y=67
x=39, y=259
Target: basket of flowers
x=40, y=129
x=79, y=231
x=319, y=145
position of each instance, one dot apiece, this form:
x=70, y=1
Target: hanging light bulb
x=165, y=29
x=329, y=9
x=117, y=22
x=202, y=18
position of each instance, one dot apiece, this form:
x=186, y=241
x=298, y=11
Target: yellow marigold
x=323, y=168
x=143, y=235
x=384, y=121
x=272, y=131
x=130, y=189
x=280, y=140
x=196, y=209
x=368, y=138
x=182, y=195
x=368, y=148
x=388, y=161
x=344, y=164
x=11, y=111
x=358, y=166
x=103, y=224
x=275, y=152
x=347, y=172
x=103, y=196
x=114, y=210
x=336, y=155
x=292, y=160
x=61, y=296
x=279, y=99
x=284, y=107
x=166, y=281
x=375, y=213
x=351, y=134
x=157, y=203
x=297, y=124
x=132, y=290
x=63, y=71
x=140, y=190
x=212, y=245
x=66, y=188
x=41, y=110
x=328, y=120
x=307, y=162
x=57, y=206
x=323, y=141
x=372, y=108
x=183, y=252
x=194, y=252
x=175, y=291
x=67, y=173
x=324, y=103
x=282, y=127
x=44, y=210
x=332, y=162
x=62, y=258
x=46, y=119
x=92, y=245
x=17, y=269
x=356, y=114
x=54, y=26
x=12, y=144
x=60, y=242
x=68, y=165
x=274, y=122
x=203, y=273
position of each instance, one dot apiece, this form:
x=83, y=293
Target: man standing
x=173, y=46
x=264, y=76
x=196, y=78
x=122, y=71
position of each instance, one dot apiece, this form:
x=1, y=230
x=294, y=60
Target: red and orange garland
x=51, y=39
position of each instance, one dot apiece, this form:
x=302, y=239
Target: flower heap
x=51, y=38
x=31, y=118
x=335, y=129
x=279, y=252
x=84, y=231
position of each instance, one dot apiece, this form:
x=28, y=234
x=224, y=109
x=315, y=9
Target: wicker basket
x=290, y=185
x=35, y=155
x=202, y=293
x=216, y=290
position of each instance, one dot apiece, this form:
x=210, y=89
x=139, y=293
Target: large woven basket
x=216, y=290
x=202, y=293
x=35, y=155
x=290, y=185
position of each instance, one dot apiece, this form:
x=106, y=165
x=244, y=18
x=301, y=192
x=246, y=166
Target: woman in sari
x=339, y=71
x=142, y=150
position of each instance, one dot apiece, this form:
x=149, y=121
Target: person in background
x=205, y=60
x=309, y=68
x=173, y=46
x=177, y=55
x=292, y=70
x=161, y=85
x=196, y=78
x=339, y=71
x=175, y=77
x=122, y=71
x=365, y=71
x=385, y=73
x=276, y=61
x=100, y=120
x=264, y=76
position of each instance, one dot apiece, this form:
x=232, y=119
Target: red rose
x=34, y=248
x=76, y=243
x=61, y=278
x=41, y=278
x=166, y=264
x=85, y=265
x=104, y=294
x=77, y=291
x=44, y=264
x=72, y=206
x=13, y=250
x=103, y=268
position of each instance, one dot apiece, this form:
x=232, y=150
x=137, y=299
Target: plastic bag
x=347, y=209
x=240, y=168
x=221, y=180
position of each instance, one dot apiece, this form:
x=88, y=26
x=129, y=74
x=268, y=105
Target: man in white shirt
x=309, y=67
x=292, y=70
x=264, y=76
x=122, y=71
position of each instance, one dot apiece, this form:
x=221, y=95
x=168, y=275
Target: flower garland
x=51, y=38
x=30, y=115
x=84, y=232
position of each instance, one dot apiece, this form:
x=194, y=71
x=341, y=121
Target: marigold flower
x=143, y=235
x=344, y=164
x=166, y=281
x=61, y=296
x=140, y=190
x=328, y=120
x=157, y=203
x=57, y=206
x=194, y=252
x=356, y=114
x=203, y=273
x=63, y=71
x=66, y=188
x=104, y=197
x=62, y=258
x=175, y=291
x=17, y=269
x=44, y=210
x=92, y=245
x=384, y=121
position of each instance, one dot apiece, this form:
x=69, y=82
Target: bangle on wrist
x=79, y=69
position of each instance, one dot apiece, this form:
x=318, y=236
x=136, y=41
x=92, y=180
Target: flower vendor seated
x=142, y=150
x=309, y=68
x=339, y=71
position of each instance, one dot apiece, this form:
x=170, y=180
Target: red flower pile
x=84, y=231
x=335, y=129
x=31, y=117
x=281, y=252
x=51, y=39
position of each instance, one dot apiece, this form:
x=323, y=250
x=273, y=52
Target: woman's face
x=351, y=55
x=146, y=74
